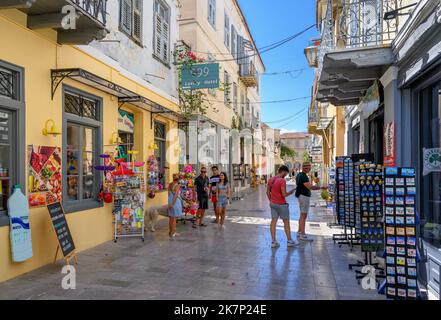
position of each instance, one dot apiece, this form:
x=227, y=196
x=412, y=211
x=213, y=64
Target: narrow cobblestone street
x=209, y=263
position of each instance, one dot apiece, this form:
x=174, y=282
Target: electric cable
x=263, y=49
x=264, y=102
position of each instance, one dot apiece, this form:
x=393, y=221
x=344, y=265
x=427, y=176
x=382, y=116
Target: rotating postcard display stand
x=129, y=198
x=345, y=202
x=401, y=240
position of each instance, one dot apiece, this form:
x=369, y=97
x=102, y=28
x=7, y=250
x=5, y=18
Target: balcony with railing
x=248, y=74
x=355, y=48
x=88, y=23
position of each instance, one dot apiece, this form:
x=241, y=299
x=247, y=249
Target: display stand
x=344, y=201
x=401, y=240
x=188, y=195
x=371, y=210
x=129, y=202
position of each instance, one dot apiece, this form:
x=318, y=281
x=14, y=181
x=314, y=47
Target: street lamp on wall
x=396, y=13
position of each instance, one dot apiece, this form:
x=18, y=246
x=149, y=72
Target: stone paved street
x=208, y=263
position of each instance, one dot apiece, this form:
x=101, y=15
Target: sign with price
x=64, y=237
x=200, y=76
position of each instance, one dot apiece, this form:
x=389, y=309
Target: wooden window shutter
x=165, y=39
x=126, y=16
x=158, y=34
x=137, y=20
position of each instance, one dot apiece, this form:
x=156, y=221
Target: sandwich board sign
x=200, y=76
x=61, y=228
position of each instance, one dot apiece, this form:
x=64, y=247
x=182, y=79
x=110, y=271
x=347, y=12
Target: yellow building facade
x=37, y=56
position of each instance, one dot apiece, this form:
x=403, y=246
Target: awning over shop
x=348, y=73
x=124, y=95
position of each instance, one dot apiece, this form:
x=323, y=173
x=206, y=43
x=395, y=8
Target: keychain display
x=154, y=184
x=371, y=207
x=401, y=242
x=188, y=195
x=129, y=189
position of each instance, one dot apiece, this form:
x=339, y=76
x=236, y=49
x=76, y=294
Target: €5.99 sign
x=200, y=76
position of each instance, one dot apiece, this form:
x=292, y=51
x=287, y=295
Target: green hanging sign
x=200, y=76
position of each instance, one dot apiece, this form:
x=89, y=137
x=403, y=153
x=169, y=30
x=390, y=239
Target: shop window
x=82, y=140
x=430, y=183
x=12, y=132
x=160, y=141
x=7, y=156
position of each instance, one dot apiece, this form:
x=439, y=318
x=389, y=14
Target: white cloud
x=282, y=131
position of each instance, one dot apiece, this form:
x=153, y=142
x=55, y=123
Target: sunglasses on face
x=203, y=171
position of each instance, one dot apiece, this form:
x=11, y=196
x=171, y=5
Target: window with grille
x=81, y=106
x=227, y=31
x=212, y=13
x=82, y=140
x=161, y=45
x=8, y=83
x=131, y=18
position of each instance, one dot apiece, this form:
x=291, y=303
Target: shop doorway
x=376, y=134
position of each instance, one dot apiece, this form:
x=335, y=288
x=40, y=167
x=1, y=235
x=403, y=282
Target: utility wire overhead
x=265, y=102
x=264, y=48
x=284, y=119
x=291, y=120
x=269, y=48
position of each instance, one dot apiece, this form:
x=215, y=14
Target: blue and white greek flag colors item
x=20, y=230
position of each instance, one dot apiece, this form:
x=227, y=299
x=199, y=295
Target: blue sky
x=271, y=21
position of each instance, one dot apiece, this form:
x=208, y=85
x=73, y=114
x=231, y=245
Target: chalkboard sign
x=61, y=228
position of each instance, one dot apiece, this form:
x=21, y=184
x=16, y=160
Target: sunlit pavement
x=209, y=263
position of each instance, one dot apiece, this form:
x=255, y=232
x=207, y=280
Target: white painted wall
x=137, y=59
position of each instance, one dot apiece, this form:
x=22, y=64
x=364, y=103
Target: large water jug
x=20, y=232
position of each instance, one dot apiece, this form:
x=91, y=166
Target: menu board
x=61, y=228
x=371, y=207
x=401, y=241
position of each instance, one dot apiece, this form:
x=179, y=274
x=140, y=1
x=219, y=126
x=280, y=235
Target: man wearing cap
x=303, y=193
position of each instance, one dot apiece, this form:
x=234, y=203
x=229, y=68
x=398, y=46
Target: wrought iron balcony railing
x=361, y=23
x=248, y=74
x=96, y=8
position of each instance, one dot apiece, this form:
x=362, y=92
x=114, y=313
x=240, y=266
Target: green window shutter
x=126, y=16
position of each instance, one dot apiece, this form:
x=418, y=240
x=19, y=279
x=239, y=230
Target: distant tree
x=287, y=152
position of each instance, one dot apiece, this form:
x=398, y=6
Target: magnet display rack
x=371, y=214
x=401, y=240
x=340, y=199
x=129, y=203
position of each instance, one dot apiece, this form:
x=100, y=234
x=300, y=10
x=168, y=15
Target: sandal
x=194, y=226
x=202, y=225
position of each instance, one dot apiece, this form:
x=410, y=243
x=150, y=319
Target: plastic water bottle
x=20, y=231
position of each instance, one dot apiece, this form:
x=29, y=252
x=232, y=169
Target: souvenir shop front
x=60, y=126
x=418, y=128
